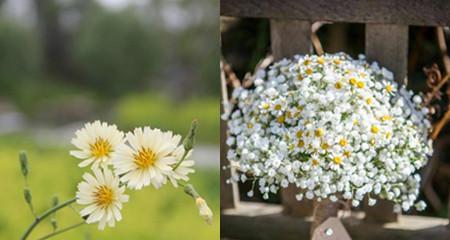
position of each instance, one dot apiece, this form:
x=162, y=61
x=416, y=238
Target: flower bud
x=189, y=140
x=54, y=224
x=27, y=195
x=204, y=211
x=55, y=201
x=24, y=163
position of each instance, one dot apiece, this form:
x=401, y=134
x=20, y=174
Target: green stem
x=62, y=230
x=44, y=215
x=181, y=160
x=32, y=210
x=190, y=190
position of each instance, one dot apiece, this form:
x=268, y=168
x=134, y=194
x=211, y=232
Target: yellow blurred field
x=167, y=213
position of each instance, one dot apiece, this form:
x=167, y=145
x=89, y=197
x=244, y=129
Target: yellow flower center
x=101, y=148
x=336, y=61
x=315, y=162
x=337, y=160
x=277, y=107
x=280, y=119
x=388, y=135
x=299, y=77
x=374, y=129
x=347, y=153
x=369, y=101
x=319, y=132
x=301, y=143
x=386, y=118
x=343, y=142
x=104, y=196
x=250, y=125
x=338, y=85
x=306, y=62
x=352, y=81
x=372, y=141
x=325, y=146
x=265, y=106
x=309, y=71
x=145, y=158
x=389, y=88
x=360, y=84
x=320, y=60
x=299, y=133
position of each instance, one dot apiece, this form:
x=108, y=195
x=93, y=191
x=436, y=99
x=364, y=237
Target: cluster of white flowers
x=336, y=127
x=139, y=158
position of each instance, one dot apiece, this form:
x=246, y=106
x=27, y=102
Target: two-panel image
x=224, y=119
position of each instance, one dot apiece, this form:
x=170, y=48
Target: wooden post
x=290, y=37
x=388, y=45
x=229, y=193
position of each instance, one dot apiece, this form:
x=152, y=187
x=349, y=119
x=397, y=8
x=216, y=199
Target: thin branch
x=446, y=60
x=223, y=83
x=45, y=215
x=436, y=89
x=262, y=64
x=61, y=231
x=438, y=128
x=229, y=74
x=315, y=39
x=443, y=47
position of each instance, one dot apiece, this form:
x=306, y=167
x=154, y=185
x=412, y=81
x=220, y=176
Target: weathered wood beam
x=418, y=12
x=388, y=45
x=258, y=221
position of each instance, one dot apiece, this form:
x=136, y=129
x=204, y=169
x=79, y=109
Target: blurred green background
x=128, y=62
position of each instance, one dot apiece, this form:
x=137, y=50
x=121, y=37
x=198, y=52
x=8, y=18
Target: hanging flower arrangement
x=336, y=127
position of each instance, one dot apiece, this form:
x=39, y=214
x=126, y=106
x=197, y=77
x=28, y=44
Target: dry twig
x=315, y=39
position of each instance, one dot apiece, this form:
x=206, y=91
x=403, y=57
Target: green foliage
x=115, y=51
x=164, y=214
x=19, y=56
x=159, y=111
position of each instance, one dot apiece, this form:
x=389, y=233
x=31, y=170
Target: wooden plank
x=418, y=12
x=290, y=37
x=259, y=221
x=388, y=45
x=229, y=193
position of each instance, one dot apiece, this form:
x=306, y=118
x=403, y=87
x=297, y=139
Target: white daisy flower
x=97, y=143
x=103, y=195
x=147, y=159
x=183, y=169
